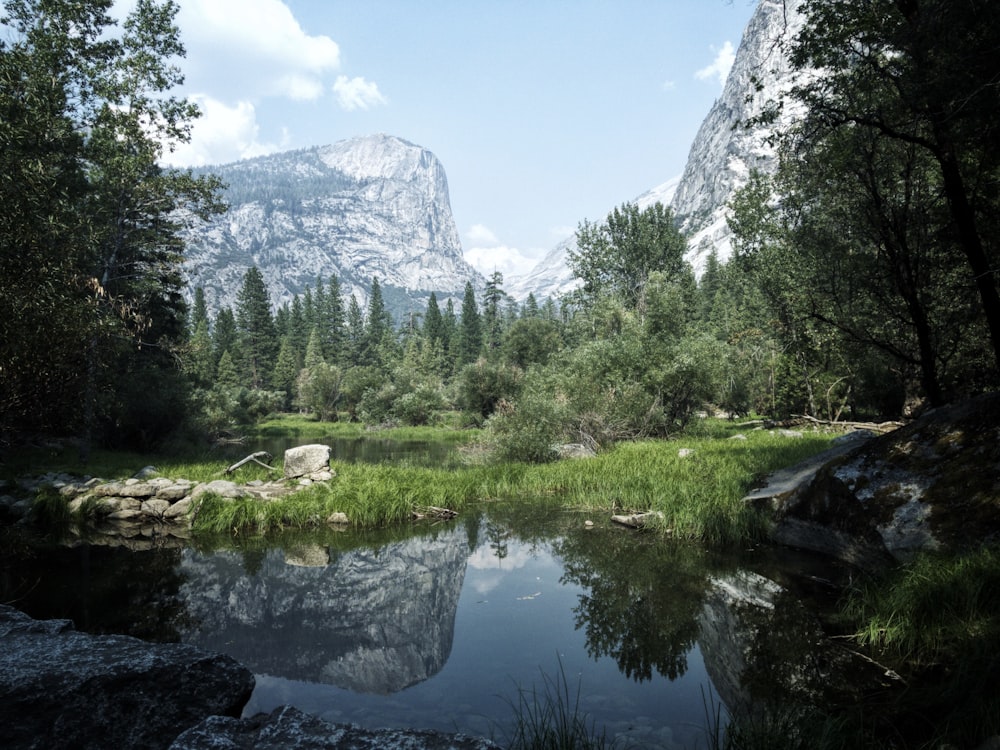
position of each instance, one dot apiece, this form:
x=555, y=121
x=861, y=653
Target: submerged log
x=637, y=520
x=252, y=458
x=432, y=511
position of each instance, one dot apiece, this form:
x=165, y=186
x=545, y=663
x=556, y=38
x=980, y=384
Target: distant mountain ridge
x=378, y=206
x=369, y=207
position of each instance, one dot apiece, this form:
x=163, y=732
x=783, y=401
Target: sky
x=543, y=112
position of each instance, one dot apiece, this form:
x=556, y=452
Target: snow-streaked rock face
x=370, y=207
x=721, y=156
x=725, y=152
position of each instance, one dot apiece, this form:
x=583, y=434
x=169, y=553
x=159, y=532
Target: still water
x=444, y=626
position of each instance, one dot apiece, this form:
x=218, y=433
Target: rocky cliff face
x=374, y=206
x=722, y=155
x=725, y=152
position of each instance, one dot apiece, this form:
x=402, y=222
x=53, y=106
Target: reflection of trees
x=497, y=535
x=105, y=589
x=643, y=602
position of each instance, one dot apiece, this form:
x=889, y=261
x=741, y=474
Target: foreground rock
x=287, y=727
x=931, y=485
x=61, y=688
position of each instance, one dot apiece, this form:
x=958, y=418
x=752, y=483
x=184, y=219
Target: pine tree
x=530, y=307
x=314, y=351
x=224, y=336
x=470, y=335
x=378, y=326
x=433, y=323
x=199, y=311
x=493, y=323
x=332, y=325
x=226, y=374
x=257, y=336
x=286, y=370
x=355, y=333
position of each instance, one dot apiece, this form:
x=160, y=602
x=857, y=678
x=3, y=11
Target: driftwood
x=879, y=427
x=797, y=420
x=431, y=511
x=637, y=520
x=254, y=458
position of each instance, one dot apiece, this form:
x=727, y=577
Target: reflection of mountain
x=372, y=620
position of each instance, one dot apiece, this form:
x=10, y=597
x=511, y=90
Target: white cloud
x=669, y=85
x=509, y=261
x=253, y=48
x=486, y=253
x=357, y=93
x=719, y=68
x=222, y=134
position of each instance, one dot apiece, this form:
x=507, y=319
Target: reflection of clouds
x=485, y=570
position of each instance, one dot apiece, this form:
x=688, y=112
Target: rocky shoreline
x=147, y=509
x=60, y=688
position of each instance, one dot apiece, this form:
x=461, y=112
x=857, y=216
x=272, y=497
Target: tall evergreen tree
x=224, y=336
x=355, y=333
x=332, y=325
x=199, y=311
x=378, y=327
x=493, y=316
x=93, y=220
x=470, y=333
x=433, y=322
x=286, y=370
x=257, y=336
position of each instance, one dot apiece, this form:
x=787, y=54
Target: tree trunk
x=965, y=221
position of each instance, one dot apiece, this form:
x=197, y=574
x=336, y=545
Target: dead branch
x=252, y=458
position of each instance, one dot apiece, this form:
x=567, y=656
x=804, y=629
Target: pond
x=446, y=626
x=365, y=449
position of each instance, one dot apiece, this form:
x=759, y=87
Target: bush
x=528, y=430
x=483, y=385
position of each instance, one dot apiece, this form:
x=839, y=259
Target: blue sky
x=543, y=112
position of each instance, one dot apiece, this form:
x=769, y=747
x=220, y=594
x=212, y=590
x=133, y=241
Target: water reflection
x=373, y=620
x=641, y=600
x=439, y=627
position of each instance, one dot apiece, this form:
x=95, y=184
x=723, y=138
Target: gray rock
x=574, y=450
x=287, y=727
x=220, y=487
x=306, y=459
x=929, y=485
x=61, y=688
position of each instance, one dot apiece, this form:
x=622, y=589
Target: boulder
x=62, y=688
x=305, y=460
x=287, y=727
x=933, y=484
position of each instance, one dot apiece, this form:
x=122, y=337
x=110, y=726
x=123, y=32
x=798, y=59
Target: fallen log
x=879, y=427
x=432, y=511
x=252, y=458
x=637, y=520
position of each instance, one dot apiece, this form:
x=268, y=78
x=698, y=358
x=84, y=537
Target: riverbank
x=692, y=488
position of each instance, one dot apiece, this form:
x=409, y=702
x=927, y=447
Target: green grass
x=550, y=718
x=699, y=495
x=923, y=611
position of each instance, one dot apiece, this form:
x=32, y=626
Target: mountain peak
x=372, y=206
